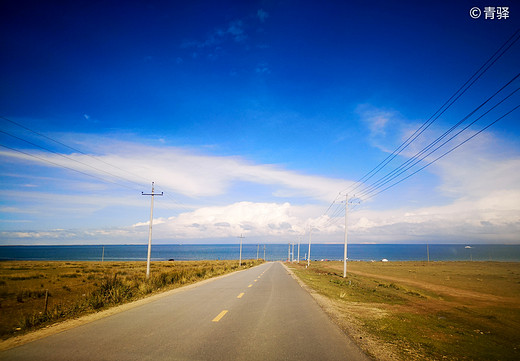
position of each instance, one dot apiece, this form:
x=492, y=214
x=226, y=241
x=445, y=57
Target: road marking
x=220, y=315
x=240, y=295
x=256, y=280
x=251, y=285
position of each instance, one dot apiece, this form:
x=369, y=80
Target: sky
x=259, y=118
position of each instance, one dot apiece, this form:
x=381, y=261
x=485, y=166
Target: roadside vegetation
x=423, y=311
x=34, y=294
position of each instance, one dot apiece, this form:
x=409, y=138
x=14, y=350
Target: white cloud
x=271, y=222
x=476, y=188
x=479, y=186
x=481, y=189
x=386, y=128
x=277, y=220
x=375, y=119
x=186, y=172
x=234, y=219
x=478, y=169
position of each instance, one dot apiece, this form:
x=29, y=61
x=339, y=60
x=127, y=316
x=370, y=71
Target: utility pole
x=299, y=241
x=345, y=250
x=240, y=261
x=257, y=249
x=150, y=230
x=289, y=253
x=309, y=256
x=264, y=253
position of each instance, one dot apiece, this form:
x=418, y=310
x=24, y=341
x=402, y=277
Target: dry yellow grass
x=77, y=288
x=425, y=311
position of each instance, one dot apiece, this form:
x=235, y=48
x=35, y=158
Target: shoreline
x=273, y=252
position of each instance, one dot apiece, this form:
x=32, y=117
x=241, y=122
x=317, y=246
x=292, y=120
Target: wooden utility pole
x=240, y=261
x=345, y=249
x=299, y=241
x=309, y=255
x=150, y=230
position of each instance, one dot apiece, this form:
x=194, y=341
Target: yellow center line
x=220, y=315
x=251, y=285
x=256, y=280
x=240, y=295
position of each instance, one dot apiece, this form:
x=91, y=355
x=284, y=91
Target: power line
x=66, y=157
x=457, y=95
x=75, y=160
x=182, y=206
x=388, y=178
x=490, y=62
x=334, y=217
x=446, y=153
x=72, y=148
x=65, y=167
x=415, y=159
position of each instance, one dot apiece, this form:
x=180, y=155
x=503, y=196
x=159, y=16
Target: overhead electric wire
x=85, y=154
x=436, y=115
x=406, y=165
x=332, y=203
x=388, y=179
x=446, y=153
x=334, y=217
x=74, y=149
x=167, y=195
x=338, y=215
x=66, y=157
x=65, y=167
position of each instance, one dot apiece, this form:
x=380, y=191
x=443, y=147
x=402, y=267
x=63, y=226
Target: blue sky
x=251, y=117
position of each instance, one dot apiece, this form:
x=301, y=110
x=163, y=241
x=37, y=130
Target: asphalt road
x=257, y=314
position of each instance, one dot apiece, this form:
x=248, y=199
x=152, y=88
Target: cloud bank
x=478, y=192
x=185, y=172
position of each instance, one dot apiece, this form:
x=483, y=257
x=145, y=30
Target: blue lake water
x=273, y=252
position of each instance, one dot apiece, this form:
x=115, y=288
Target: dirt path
x=444, y=290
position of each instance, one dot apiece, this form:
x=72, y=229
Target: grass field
x=78, y=288
x=424, y=311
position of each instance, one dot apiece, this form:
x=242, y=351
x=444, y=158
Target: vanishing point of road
x=257, y=314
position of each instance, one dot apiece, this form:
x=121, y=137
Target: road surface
x=257, y=314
